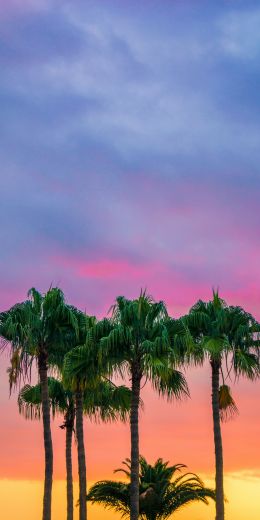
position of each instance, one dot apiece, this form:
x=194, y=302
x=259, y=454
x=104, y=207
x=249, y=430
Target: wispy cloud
x=131, y=141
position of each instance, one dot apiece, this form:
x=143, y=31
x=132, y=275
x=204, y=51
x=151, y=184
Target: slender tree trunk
x=81, y=457
x=134, y=486
x=215, y=366
x=69, y=423
x=43, y=374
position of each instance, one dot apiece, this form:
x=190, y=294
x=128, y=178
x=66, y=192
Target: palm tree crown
x=163, y=491
x=220, y=331
x=139, y=340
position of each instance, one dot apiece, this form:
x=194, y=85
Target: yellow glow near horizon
x=23, y=499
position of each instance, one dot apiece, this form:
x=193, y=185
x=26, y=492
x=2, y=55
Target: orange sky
x=243, y=493
x=176, y=432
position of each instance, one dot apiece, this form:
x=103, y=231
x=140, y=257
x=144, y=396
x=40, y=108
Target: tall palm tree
x=139, y=345
x=107, y=402
x=61, y=402
x=38, y=328
x=84, y=374
x=226, y=336
x=75, y=385
x=162, y=492
x=73, y=379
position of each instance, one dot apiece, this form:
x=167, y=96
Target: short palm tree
x=139, y=345
x=37, y=329
x=228, y=338
x=162, y=490
x=107, y=402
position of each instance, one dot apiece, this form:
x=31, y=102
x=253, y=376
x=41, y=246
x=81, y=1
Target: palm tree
x=39, y=328
x=61, y=402
x=83, y=373
x=227, y=337
x=107, y=402
x=76, y=387
x=139, y=345
x=73, y=380
x=162, y=491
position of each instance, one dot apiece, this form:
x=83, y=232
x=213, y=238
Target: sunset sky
x=130, y=153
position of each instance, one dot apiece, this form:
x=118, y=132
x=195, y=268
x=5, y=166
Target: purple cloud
x=130, y=144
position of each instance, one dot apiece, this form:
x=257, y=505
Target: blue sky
x=130, y=142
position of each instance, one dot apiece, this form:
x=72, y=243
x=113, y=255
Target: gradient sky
x=130, y=151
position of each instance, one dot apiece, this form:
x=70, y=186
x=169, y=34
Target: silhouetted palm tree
x=162, y=490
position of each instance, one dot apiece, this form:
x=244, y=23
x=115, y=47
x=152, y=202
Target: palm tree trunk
x=81, y=457
x=69, y=422
x=134, y=486
x=43, y=375
x=215, y=367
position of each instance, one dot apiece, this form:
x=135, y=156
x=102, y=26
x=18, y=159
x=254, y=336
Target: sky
x=130, y=151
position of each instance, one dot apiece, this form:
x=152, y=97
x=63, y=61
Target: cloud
x=130, y=148
x=240, y=37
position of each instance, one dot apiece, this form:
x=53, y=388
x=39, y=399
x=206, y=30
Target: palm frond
x=170, y=383
x=227, y=406
x=30, y=402
x=107, y=402
x=112, y=495
x=246, y=363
